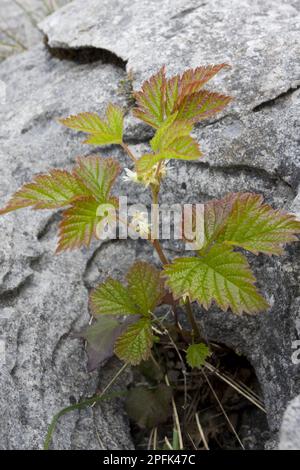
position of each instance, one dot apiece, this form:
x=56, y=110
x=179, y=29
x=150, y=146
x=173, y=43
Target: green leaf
x=172, y=93
x=85, y=189
x=78, y=225
x=102, y=131
x=145, y=286
x=257, y=227
x=160, y=98
x=171, y=141
x=149, y=407
x=112, y=298
x=191, y=81
x=151, y=100
x=197, y=354
x=147, y=161
x=201, y=105
x=101, y=337
x=174, y=137
x=220, y=275
x=98, y=175
x=143, y=293
x=49, y=191
x=166, y=133
x=185, y=148
x=216, y=213
x=92, y=177
x=135, y=344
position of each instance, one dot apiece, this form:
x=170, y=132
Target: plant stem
x=128, y=151
x=160, y=251
x=192, y=320
x=156, y=244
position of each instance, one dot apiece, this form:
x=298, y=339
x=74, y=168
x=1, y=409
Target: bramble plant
x=217, y=272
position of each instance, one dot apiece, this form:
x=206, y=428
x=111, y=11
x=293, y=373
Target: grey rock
x=290, y=429
x=18, y=23
x=43, y=298
x=251, y=147
x=250, y=35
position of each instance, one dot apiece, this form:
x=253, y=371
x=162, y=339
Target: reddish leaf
x=201, y=105
x=151, y=100
x=79, y=224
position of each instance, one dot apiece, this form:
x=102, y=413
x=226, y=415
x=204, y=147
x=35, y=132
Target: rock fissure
x=273, y=101
x=86, y=55
x=88, y=52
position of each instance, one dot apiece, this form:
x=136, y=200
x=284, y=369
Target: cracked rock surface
x=18, y=23
x=252, y=146
x=260, y=39
x=43, y=298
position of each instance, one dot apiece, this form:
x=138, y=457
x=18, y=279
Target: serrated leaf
x=197, y=354
x=220, y=275
x=149, y=407
x=143, y=293
x=98, y=175
x=172, y=93
x=151, y=100
x=165, y=134
x=101, y=337
x=102, y=131
x=147, y=161
x=112, y=298
x=159, y=97
x=174, y=136
x=201, y=105
x=216, y=213
x=171, y=141
x=48, y=191
x=185, y=148
x=84, y=190
x=78, y=225
x=145, y=286
x=257, y=227
x=135, y=344
x=192, y=80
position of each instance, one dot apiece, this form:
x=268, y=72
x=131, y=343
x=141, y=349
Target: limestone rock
x=18, y=23
x=253, y=146
x=43, y=298
x=260, y=40
x=290, y=429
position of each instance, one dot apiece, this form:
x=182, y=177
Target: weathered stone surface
x=290, y=429
x=250, y=35
x=18, y=23
x=252, y=147
x=43, y=298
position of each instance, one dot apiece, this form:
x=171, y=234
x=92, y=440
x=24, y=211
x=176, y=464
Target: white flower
x=153, y=176
x=130, y=175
